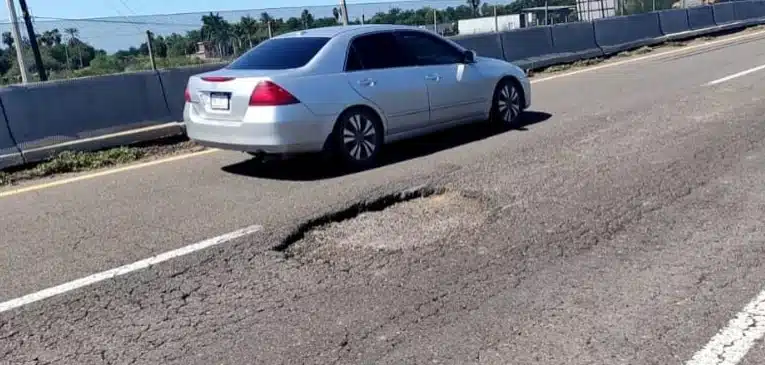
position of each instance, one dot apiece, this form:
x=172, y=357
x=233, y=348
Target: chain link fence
x=86, y=47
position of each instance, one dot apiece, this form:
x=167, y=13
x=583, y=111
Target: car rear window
x=280, y=54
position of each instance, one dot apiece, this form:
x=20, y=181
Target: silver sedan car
x=348, y=90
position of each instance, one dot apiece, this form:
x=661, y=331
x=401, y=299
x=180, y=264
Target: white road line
x=122, y=270
x=735, y=75
x=730, y=345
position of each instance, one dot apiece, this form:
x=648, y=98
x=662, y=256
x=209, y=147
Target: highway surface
x=625, y=224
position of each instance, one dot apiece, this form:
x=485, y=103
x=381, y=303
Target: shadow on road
x=313, y=167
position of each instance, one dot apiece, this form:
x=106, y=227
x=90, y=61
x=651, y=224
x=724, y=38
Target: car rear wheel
x=507, y=104
x=358, y=138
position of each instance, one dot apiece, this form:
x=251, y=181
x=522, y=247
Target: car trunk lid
x=225, y=94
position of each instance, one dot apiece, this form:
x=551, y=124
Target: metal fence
x=86, y=47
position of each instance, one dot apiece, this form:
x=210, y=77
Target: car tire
x=357, y=139
x=507, y=104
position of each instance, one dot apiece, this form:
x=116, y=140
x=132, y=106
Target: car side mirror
x=469, y=56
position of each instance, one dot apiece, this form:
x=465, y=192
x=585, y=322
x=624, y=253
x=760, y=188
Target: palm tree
x=266, y=19
x=474, y=4
x=250, y=27
x=73, y=42
x=8, y=39
x=55, y=35
x=307, y=18
x=50, y=37
x=216, y=29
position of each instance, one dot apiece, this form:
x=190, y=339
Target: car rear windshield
x=280, y=54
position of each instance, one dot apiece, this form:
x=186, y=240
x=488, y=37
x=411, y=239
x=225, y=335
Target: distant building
x=691, y=3
x=442, y=28
x=489, y=24
x=587, y=10
x=555, y=14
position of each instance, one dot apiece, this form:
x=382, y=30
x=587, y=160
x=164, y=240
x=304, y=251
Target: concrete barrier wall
x=485, y=45
x=724, y=13
x=529, y=47
x=674, y=21
x=60, y=111
x=174, y=83
x=574, y=41
x=9, y=153
x=746, y=10
x=701, y=17
x=617, y=34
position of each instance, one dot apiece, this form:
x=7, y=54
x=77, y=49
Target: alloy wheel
x=359, y=137
x=508, y=103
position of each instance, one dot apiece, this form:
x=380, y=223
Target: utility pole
x=496, y=20
x=17, y=40
x=344, y=11
x=150, y=46
x=435, y=21
x=33, y=40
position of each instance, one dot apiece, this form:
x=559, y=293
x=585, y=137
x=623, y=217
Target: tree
x=250, y=28
x=474, y=4
x=8, y=39
x=50, y=38
x=307, y=18
x=73, y=41
x=217, y=30
x=266, y=19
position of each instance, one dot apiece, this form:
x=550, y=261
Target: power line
x=395, y=4
x=126, y=6
x=103, y=20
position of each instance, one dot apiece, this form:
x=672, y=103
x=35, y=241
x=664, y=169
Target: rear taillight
x=187, y=95
x=269, y=94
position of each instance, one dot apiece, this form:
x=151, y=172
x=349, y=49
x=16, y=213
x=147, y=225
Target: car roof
x=331, y=32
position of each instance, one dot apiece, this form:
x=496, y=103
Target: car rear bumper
x=291, y=129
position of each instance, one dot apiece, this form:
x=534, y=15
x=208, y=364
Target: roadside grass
x=675, y=44
x=81, y=161
x=73, y=161
x=635, y=52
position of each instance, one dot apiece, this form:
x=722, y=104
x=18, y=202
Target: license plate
x=219, y=101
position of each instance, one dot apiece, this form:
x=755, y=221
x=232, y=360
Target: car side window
x=375, y=51
x=429, y=50
x=353, y=63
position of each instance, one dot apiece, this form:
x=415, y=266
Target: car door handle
x=366, y=82
x=433, y=77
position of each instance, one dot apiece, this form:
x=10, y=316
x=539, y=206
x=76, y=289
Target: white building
x=489, y=24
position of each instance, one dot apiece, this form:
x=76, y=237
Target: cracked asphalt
x=622, y=225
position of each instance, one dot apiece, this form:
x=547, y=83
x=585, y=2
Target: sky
x=108, y=8
x=128, y=20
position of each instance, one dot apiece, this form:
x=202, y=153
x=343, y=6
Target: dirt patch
x=403, y=225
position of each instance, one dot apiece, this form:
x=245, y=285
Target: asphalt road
x=622, y=225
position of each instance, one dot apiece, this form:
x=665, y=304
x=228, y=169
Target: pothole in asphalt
x=397, y=222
